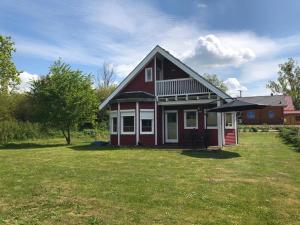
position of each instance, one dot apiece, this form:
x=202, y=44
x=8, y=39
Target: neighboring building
x=163, y=101
x=291, y=116
x=272, y=114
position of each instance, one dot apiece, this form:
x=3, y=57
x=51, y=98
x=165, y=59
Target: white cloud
x=210, y=50
x=234, y=87
x=26, y=79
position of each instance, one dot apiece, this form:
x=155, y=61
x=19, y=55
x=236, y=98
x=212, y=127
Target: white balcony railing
x=175, y=87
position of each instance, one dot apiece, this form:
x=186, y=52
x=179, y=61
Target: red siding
x=128, y=139
x=114, y=139
x=146, y=105
x=147, y=139
x=213, y=137
x=230, y=136
x=138, y=83
x=127, y=105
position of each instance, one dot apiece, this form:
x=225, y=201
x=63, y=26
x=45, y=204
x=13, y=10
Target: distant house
x=279, y=110
x=163, y=101
x=272, y=114
x=291, y=116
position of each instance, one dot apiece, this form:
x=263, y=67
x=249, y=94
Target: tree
x=9, y=75
x=213, y=78
x=65, y=98
x=105, y=77
x=288, y=81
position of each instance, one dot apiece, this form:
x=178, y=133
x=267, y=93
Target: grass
x=257, y=182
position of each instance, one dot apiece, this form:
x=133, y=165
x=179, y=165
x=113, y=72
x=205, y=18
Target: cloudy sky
x=241, y=41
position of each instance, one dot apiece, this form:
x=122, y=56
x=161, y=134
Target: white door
x=171, y=126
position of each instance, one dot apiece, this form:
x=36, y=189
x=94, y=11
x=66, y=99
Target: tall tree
x=288, y=81
x=213, y=78
x=9, y=75
x=105, y=76
x=65, y=98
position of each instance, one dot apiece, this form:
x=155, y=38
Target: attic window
x=148, y=74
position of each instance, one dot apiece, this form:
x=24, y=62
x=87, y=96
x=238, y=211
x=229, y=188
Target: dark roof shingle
x=275, y=100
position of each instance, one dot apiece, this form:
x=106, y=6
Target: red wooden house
x=163, y=101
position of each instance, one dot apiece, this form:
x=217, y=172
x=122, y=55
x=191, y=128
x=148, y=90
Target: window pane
x=128, y=123
x=114, y=124
x=297, y=118
x=146, y=125
x=211, y=119
x=228, y=120
x=271, y=114
x=190, y=119
x=250, y=115
x=149, y=74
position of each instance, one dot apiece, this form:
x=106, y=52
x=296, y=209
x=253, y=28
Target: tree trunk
x=67, y=136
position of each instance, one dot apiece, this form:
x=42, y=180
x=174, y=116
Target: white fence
x=177, y=87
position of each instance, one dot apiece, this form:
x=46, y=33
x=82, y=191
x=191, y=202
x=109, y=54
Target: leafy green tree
x=213, y=78
x=288, y=81
x=9, y=75
x=65, y=98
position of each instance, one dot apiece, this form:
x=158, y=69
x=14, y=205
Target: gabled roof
x=289, y=104
x=275, y=100
x=174, y=60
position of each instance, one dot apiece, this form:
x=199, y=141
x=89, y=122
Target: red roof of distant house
x=289, y=104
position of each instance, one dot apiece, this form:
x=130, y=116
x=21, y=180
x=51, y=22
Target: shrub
x=291, y=136
x=12, y=130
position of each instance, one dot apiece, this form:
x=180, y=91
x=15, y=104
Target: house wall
x=130, y=139
x=213, y=134
x=290, y=119
x=138, y=83
x=171, y=71
x=229, y=135
x=261, y=116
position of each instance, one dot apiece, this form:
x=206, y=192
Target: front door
x=171, y=126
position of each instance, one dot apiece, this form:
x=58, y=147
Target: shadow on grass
x=91, y=147
x=210, y=154
x=18, y=146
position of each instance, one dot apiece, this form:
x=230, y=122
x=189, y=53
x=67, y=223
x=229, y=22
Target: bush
x=291, y=136
x=12, y=130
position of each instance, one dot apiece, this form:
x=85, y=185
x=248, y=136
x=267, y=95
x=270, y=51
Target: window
x=251, y=115
x=271, y=115
x=229, y=120
x=146, y=121
x=211, y=120
x=127, y=121
x=148, y=74
x=297, y=118
x=113, y=122
x=190, y=119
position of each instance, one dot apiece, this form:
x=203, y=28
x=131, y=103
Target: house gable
x=136, y=78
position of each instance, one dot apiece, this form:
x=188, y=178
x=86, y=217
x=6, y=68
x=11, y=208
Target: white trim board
x=172, y=59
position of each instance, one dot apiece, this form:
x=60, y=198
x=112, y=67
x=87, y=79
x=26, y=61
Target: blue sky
x=241, y=41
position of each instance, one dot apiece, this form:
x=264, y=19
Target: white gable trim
x=174, y=60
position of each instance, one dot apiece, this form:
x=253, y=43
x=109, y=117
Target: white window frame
x=205, y=118
x=152, y=123
x=113, y=114
x=123, y=113
x=232, y=118
x=146, y=77
x=191, y=110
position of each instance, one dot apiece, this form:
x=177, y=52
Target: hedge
x=291, y=135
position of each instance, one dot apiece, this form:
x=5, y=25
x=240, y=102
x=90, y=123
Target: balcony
x=180, y=87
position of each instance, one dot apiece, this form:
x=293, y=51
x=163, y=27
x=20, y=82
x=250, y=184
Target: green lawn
x=257, y=182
